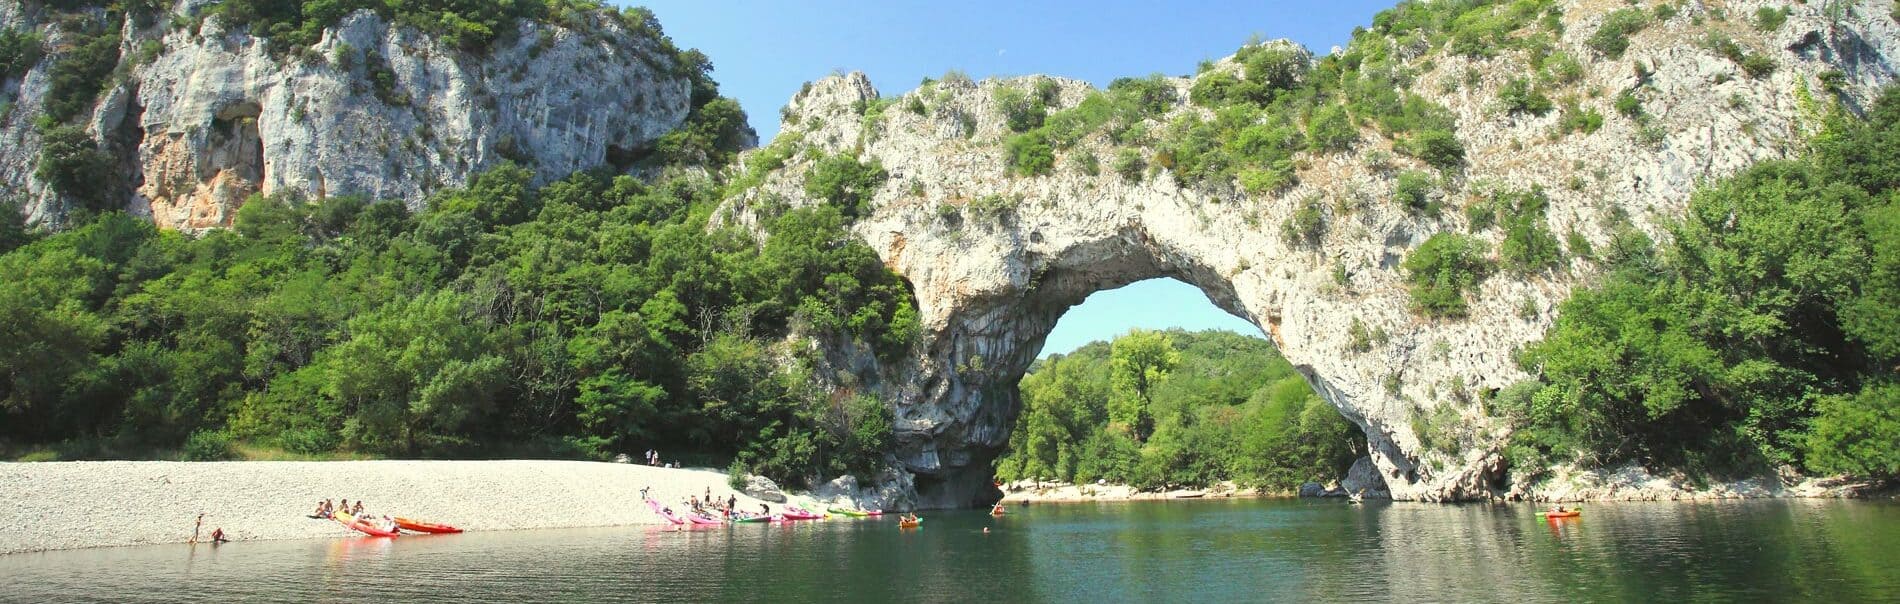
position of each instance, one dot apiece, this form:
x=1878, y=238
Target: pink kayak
x=661, y=510
x=701, y=519
x=801, y=514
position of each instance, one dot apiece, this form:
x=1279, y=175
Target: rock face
x=996, y=259
x=763, y=489
x=371, y=109
x=891, y=491
x=1363, y=479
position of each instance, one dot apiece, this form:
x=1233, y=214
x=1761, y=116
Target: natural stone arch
x=994, y=260
x=965, y=401
x=994, y=255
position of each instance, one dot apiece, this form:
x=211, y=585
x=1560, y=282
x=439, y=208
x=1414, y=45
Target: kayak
x=852, y=513
x=704, y=520
x=425, y=527
x=661, y=510
x=1564, y=514
x=752, y=519
x=801, y=514
x=909, y=523
x=367, y=528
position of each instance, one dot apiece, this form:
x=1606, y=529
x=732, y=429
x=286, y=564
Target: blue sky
x=1151, y=304
x=763, y=51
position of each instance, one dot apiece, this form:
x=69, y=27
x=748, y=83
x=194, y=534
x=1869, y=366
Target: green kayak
x=754, y=519
x=851, y=513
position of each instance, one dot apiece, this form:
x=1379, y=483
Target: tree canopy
x=1157, y=409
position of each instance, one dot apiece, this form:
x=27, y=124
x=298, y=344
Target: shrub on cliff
x=19, y=51
x=1519, y=96
x=1331, y=129
x=1021, y=110
x=79, y=74
x=843, y=181
x=72, y=163
x=1612, y=36
x=1442, y=270
x=1029, y=154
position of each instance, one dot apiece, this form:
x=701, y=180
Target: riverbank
x=73, y=505
x=1631, y=482
x=1061, y=492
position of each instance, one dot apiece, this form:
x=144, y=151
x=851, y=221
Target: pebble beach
x=72, y=505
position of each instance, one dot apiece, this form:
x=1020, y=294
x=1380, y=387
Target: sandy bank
x=69, y=505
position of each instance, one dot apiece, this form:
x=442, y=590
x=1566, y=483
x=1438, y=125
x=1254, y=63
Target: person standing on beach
x=196, y=528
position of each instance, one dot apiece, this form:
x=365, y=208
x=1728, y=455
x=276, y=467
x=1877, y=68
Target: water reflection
x=1203, y=551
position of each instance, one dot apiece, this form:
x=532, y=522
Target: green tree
x=1141, y=361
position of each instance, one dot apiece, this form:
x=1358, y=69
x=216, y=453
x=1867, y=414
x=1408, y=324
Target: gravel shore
x=71, y=505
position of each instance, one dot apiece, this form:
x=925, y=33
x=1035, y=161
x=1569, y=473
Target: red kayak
x=367, y=528
x=425, y=527
x=802, y=514
x=661, y=510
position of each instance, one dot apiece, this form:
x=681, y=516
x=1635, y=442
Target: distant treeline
x=1160, y=409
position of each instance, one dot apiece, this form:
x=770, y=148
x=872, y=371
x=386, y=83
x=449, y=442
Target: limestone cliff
x=203, y=113
x=995, y=259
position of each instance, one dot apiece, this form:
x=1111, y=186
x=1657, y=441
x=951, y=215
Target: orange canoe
x=425, y=527
x=366, y=528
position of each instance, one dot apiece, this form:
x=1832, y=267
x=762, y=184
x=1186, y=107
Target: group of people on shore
x=707, y=505
x=217, y=533
x=653, y=459
x=325, y=509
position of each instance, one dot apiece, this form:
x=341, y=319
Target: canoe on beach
x=661, y=510
x=346, y=519
x=425, y=527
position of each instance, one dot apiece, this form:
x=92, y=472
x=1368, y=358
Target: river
x=1181, y=551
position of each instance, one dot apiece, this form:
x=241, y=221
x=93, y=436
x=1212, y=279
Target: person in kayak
x=217, y=536
x=1557, y=509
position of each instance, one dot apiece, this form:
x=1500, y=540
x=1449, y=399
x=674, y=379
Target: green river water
x=1171, y=551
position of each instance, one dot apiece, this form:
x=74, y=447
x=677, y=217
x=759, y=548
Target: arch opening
x=1153, y=386
x=966, y=399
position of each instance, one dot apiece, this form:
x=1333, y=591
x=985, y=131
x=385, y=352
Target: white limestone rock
x=216, y=116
